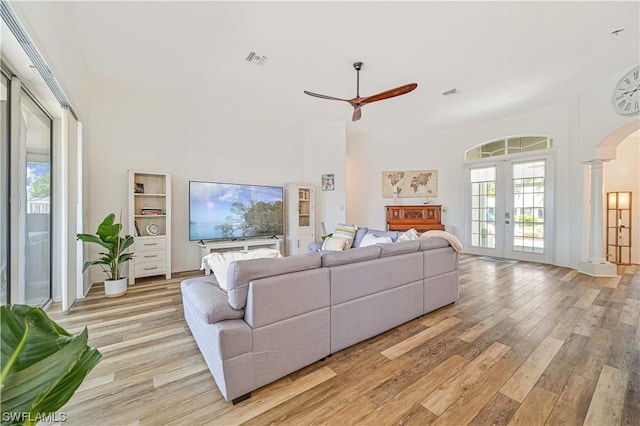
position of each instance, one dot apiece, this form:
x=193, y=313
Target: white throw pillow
x=370, y=240
x=335, y=243
x=409, y=235
x=219, y=262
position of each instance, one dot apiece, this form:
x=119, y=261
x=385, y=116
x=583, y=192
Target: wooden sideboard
x=422, y=217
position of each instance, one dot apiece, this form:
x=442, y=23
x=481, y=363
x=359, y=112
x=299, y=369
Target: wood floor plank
x=484, y=325
x=572, y=404
x=608, y=398
x=467, y=407
x=418, y=339
x=347, y=389
x=152, y=372
x=252, y=407
x=630, y=312
x=447, y=393
x=535, y=408
x=498, y=411
x=393, y=410
x=591, y=320
x=561, y=367
x=530, y=371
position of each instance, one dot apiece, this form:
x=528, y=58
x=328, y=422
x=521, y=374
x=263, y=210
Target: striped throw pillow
x=346, y=231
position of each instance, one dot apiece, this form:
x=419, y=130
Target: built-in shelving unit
x=300, y=222
x=150, y=224
x=619, y=227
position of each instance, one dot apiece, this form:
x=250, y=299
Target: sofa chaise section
x=281, y=330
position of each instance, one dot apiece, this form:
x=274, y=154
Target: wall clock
x=626, y=95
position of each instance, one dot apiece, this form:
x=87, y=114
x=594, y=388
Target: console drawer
x=146, y=269
x=149, y=256
x=149, y=244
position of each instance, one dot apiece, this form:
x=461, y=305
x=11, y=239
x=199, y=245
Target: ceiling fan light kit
x=358, y=102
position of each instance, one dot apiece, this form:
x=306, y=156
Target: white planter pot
x=115, y=288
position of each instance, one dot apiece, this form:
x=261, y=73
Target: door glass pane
x=4, y=190
x=483, y=206
x=36, y=133
x=528, y=207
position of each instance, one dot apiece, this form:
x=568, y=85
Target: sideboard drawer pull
x=150, y=244
x=153, y=255
x=151, y=269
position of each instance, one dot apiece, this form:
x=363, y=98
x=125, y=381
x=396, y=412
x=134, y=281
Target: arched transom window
x=505, y=146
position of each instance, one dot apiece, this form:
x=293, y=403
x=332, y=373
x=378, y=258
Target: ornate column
x=596, y=263
x=596, y=245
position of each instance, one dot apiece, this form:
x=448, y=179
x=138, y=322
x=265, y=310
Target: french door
x=509, y=209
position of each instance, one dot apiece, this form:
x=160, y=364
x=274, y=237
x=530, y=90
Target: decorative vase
x=115, y=288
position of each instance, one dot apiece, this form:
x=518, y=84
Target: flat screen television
x=227, y=211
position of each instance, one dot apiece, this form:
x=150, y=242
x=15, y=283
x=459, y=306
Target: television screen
x=230, y=211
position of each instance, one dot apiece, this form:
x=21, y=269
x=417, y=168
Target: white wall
x=143, y=128
x=325, y=146
x=623, y=174
x=597, y=118
x=369, y=155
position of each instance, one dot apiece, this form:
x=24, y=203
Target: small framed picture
x=328, y=182
x=139, y=189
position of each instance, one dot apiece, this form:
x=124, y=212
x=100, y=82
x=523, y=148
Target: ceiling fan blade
x=357, y=113
x=331, y=98
x=389, y=93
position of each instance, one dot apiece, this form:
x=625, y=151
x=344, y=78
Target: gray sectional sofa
x=280, y=315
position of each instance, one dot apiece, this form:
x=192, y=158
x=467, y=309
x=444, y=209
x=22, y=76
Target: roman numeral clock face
x=626, y=97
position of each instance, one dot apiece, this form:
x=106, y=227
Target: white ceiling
x=505, y=57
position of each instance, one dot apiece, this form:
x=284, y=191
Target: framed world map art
x=410, y=184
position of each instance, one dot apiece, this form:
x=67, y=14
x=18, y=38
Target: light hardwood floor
x=526, y=344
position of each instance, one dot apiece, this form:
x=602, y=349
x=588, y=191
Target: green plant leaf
x=106, y=228
x=108, y=236
x=43, y=371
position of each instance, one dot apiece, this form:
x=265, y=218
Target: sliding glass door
x=25, y=191
x=36, y=137
x=4, y=190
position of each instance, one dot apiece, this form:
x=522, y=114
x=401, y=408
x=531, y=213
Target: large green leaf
x=108, y=236
x=42, y=364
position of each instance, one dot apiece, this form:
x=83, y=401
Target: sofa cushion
x=401, y=247
x=347, y=231
x=432, y=243
x=219, y=262
x=391, y=234
x=370, y=240
x=359, y=254
x=335, y=243
x=409, y=235
x=207, y=300
x=360, y=233
x=242, y=273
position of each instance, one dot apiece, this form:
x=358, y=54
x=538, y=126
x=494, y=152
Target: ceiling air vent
x=256, y=58
x=452, y=92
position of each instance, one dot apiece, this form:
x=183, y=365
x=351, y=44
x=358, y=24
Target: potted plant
x=42, y=365
x=108, y=237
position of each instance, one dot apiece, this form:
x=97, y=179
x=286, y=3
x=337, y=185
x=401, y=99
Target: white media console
x=237, y=245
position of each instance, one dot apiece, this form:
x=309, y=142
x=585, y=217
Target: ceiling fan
x=359, y=102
